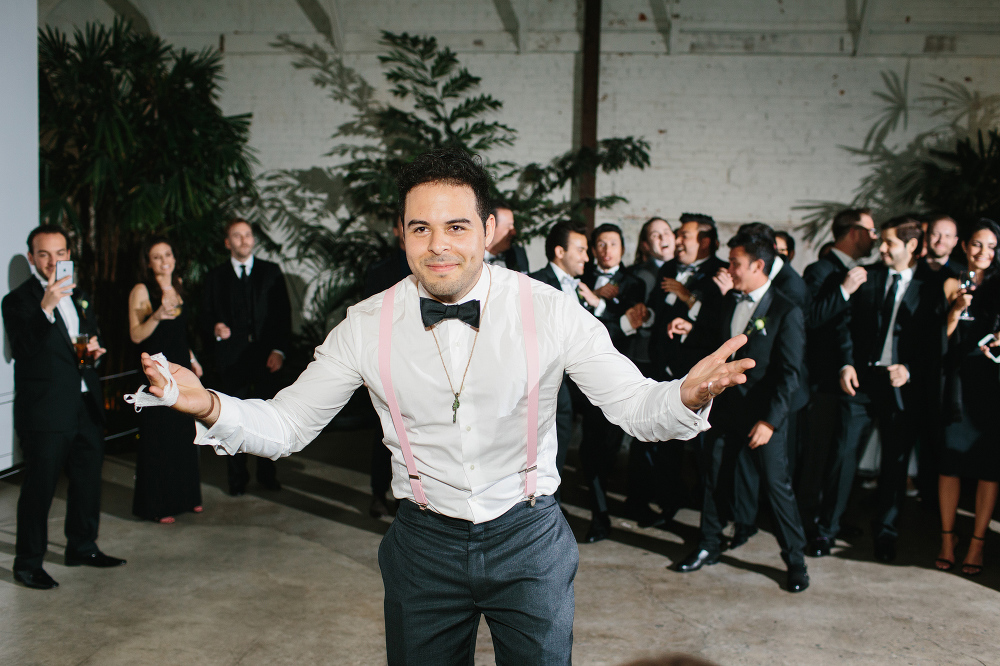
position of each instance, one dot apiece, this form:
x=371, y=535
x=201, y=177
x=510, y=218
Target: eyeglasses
x=871, y=232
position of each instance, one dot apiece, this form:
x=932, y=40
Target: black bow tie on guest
x=743, y=298
x=684, y=268
x=431, y=312
x=607, y=274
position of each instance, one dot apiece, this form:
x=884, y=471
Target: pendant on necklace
x=454, y=410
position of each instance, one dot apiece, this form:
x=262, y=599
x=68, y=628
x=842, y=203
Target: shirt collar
x=659, y=262
x=776, y=268
x=606, y=272
x=236, y=265
x=478, y=292
x=759, y=292
x=562, y=275
x=905, y=275
x=844, y=259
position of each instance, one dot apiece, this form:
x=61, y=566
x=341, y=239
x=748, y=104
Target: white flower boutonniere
x=758, y=324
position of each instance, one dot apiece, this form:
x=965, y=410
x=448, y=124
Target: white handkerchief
x=143, y=398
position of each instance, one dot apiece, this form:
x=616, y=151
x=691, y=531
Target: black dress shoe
x=237, y=491
x=36, y=579
x=95, y=559
x=818, y=547
x=647, y=517
x=741, y=536
x=698, y=559
x=798, y=578
x=885, y=549
x=600, y=528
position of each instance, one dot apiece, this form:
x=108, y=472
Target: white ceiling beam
x=514, y=16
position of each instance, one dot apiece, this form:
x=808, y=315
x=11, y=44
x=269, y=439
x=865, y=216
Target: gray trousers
x=441, y=574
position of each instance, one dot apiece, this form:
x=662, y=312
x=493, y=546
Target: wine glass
x=969, y=285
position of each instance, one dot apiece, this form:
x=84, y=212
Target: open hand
x=593, y=300
x=192, y=398
x=714, y=374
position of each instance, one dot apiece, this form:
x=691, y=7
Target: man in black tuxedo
x=940, y=241
x=832, y=281
x=247, y=326
x=749, y=424
x=58, y=411
x=566, y=250
x=895, y=322
x=785, y=244
x=504, y=251
x=747, y=491
x=617, y=291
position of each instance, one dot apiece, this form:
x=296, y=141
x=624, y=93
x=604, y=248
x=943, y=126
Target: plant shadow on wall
x=335, y=221
x=953, y=167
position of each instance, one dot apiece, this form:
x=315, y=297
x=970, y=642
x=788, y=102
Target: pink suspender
x=531, y=354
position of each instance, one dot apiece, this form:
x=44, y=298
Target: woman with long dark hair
x=167, y=479
x=972, y=392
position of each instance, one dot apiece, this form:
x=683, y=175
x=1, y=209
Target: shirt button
x=472, y=467
x=468, y=428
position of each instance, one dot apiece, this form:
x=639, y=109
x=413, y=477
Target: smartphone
x=989, y=350
x=64, y=269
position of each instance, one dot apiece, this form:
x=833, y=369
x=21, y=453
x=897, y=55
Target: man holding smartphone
x=58, y=410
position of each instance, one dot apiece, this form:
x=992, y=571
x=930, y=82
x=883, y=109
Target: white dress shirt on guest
x=471, y=469
x=905, y=276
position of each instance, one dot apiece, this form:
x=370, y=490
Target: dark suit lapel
x=911, y=298
x=61, y=326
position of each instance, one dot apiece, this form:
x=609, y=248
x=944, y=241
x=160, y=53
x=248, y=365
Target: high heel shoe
x=166, y=520
x=942, y=563
x=198, y=509
x=973, y=569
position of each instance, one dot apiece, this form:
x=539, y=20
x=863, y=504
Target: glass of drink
x=80, y=347
x=969, y=284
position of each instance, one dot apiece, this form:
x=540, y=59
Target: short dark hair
x=46, y=229
x=607, y=227
x=757, y=245
x=907, y=228
x=229, y=226
x=787, y=237
x=934, y=218
x=758, y=228
x=558, y=236
x=498, y=204
x=846, y=220
x=450, y=166
x=706, y=227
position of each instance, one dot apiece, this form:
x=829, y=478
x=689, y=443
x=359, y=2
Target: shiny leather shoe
x=885, y=549
x=36, y=579
x=741, y=536
x=818, y=547
x=798, y=579
x=698, y=559
x=647, y=517
x=95, y=559
x=600, y=528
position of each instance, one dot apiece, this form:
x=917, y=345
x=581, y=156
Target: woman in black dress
x=972, y=396
x=167, y=480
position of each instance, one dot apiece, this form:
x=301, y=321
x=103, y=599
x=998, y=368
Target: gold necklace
x=455, y=405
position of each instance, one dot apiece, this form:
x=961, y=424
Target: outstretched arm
x=192, y=397
x=714, y=374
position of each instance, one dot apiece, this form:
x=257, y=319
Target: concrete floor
x=292, y=578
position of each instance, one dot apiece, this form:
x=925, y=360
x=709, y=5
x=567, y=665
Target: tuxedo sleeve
x=789, y=348
x=827, y=300
x=26, y=324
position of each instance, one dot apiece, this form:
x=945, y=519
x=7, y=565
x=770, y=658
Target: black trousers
x=81, y=454
x=823, y=451
x=598, y=451
x=746, y=493
x=264, y=387
x=564, y=430
x=725, y=452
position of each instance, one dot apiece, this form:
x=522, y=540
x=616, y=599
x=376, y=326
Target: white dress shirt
x=471, y=469
x=238, y=265
x=69, y=316
x=904, y=281
x=779, y=263
x=745, y=309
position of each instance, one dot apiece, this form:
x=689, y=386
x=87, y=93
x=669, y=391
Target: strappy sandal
x=948, y=565
x=973, y=569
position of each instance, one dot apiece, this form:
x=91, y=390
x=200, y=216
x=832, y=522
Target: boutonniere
x=83, y=304
x=757, y=324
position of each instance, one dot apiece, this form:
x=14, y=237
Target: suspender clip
x=531, y=500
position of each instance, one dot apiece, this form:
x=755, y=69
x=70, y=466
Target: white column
x=18, y=179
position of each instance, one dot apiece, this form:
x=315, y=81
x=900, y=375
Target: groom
x=470, y=423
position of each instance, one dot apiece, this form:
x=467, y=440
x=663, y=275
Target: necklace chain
x=455, y=405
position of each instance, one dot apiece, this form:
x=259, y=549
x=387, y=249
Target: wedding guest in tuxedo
x=247, y=326
x=618, y=290
x=58, y=410
x=894, y=323
x=566, y=250
x=747, y=488
x=381, y=275
x=785, y=244
x=167, y=476
x=973, y=394
x=504, y=250
x=940, y=242
x=832, y=281
x=749, y=424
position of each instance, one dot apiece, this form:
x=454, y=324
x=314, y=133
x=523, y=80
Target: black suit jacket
x=825, y=322
x=548, y=276
x=791, y=284
x=917, y=335
x=778, y=348
x=515, y=258
x=664, y=351
x=631, y=290
x=47, y=395
x=250, y=342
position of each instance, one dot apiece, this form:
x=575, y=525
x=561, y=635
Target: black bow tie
x=607, y=274
x=431, y=312
x=743, y=298
x=682, y=269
